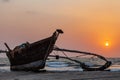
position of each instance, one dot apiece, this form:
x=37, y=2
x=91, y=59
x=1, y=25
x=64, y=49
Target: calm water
x=61, y=66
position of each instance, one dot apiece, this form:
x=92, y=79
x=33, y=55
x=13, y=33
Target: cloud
x=5, y=0
x=31, y=12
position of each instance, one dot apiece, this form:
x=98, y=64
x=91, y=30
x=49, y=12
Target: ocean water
x=59, y=65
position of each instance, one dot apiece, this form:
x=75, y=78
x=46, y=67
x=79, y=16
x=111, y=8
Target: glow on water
x=114, y=68
x=65, y=67
x=60, y=66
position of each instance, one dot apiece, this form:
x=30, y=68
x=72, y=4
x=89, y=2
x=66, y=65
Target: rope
x=62, y=51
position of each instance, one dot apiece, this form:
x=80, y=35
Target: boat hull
x=32, y=56
x=33, y=66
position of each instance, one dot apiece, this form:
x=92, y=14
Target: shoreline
x=6, y=74
x=65, y=75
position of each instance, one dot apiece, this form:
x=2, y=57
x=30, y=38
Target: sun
x=107, y=43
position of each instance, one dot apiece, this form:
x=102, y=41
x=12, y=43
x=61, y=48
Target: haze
x=87, y=24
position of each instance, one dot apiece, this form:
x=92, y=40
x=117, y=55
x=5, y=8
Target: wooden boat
x=32, y=56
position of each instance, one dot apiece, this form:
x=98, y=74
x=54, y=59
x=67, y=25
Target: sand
x=86, y=75
x=63, y=75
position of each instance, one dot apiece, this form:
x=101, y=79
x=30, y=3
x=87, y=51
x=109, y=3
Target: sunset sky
x=87, y=24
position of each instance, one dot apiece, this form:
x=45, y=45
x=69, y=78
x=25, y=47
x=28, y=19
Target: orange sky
x=87, y=23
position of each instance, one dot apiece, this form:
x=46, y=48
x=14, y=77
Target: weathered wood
x=23, y=56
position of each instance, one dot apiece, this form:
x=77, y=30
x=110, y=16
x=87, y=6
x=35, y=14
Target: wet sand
x=86, y=75
x=6, y=74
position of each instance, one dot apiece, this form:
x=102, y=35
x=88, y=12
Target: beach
x=74, y=75
x=65, y=73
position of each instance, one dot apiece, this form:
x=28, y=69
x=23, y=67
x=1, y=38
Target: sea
x=60, y=65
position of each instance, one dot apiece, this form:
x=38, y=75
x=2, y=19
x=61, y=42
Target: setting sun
x=106, y=43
